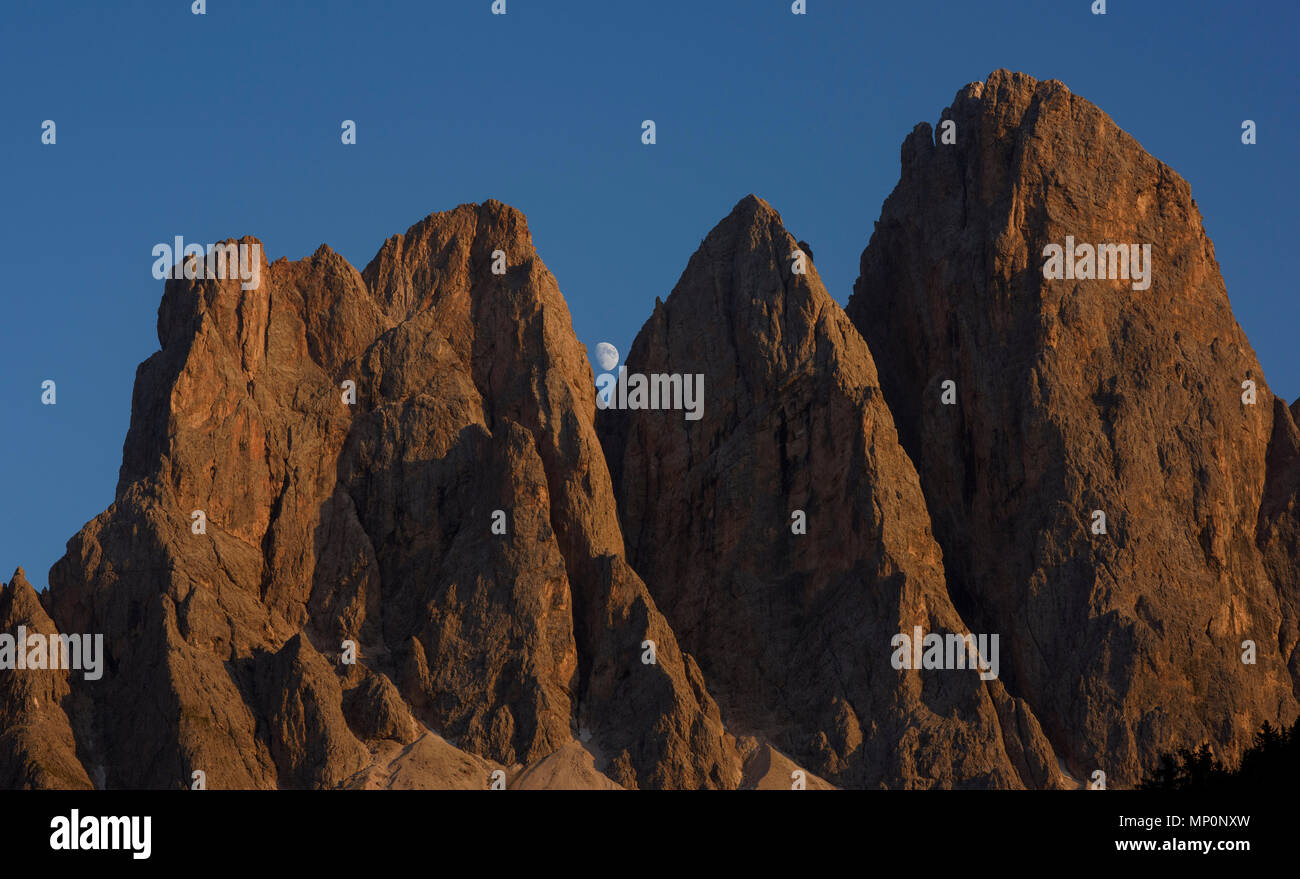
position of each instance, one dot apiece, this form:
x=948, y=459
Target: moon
x=606, y=356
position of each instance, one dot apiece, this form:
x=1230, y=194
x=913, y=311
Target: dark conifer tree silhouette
x=1273, y=761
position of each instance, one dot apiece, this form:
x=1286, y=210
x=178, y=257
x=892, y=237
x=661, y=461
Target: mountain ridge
x=586, y=597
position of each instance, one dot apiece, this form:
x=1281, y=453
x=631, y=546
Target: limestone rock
x=399, y=463
x=37, y=744
x=793, y=631
x=1074, y=396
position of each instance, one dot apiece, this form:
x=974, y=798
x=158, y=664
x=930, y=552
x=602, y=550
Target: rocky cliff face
x=37, y=745
x=1277, y=533
x=800, y=539
x=1080, y=395
x=455, y=523
x=370, y=533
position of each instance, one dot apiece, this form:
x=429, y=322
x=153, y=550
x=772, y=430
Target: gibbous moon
x=606, y=356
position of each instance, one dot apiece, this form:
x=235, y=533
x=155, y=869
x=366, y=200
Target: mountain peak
x=1038, y=403
x=792, y=405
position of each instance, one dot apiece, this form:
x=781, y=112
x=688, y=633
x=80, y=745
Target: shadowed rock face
x=373, y=523
x=1278, y=532
x=1082, y=395
x=793, y=631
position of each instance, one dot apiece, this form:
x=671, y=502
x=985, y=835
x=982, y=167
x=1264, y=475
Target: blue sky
x=228, y=124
